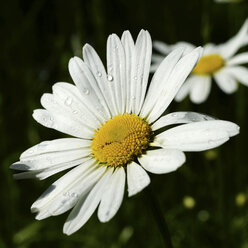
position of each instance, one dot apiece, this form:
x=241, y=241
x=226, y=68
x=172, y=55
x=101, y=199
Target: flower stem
x=159, y=217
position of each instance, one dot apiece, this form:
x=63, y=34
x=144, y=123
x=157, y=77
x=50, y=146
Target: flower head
x=218, y=62
x=115, y=120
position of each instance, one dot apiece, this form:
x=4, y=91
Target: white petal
x=116, y=72
x=69, y=96
x=162, y=160
x=47, y=160
x=180, y=118
x=113, y=195
x=240, y=73
x=239, y=40
x=241, y=58
x=137, y=178
x=74, y=192
x=174, y=82
x=57, y=145
x=61, y=123
x=159, y=79
x=95, y=64
x=47, y=172
x=197, y=136
x=157, y=58
x=185, y=89
x=210, y=48
x=225, y=81
x=143, y=50
x=88, y=87
x=129, y=48
x=200, y=89
x=166, y=49
x=60, y=186
x=162, y=47
x=86, y=207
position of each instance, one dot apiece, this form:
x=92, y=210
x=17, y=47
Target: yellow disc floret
x=209, y=64
x=120, y=140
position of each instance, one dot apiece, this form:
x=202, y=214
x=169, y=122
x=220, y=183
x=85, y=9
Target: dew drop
x=174, y=115
x=135, y=78
x=110, y=78
x=74, y=111
x=86, y=91
x=133, y=97
x=68, y=101
x=211, y=142
x=99, y=74
x=31, y=151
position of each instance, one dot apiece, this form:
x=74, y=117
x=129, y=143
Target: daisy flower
x=115, y=120
x=218, y=62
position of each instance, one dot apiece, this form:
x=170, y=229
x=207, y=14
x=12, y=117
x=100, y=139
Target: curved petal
x=239, y=59
x=72, y=193
x=162, y=160
x=143, y=51
x=61, y=186
x=226, y=82
x=160, y=79
x=200, y=89
x=113, y=195
x=77, y=105
x=240, y=73
x=137, y=178
x=86, y=206
x=42, y=174
x=166, y=49
x=128, y=44
x=185, y=89
x=174, y=82
x=95, y=64
x=239, y=40
x=88, y=87
x=180, y=118
x=197, y=136
x=59, y=122
x=116, y=65
x=55, y=106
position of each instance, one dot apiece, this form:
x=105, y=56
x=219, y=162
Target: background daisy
x=218, y=62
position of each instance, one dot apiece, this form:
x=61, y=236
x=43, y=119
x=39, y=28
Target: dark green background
x=37, y=39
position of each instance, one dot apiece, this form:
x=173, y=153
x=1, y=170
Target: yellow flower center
x=209, y=64
x=120, y=140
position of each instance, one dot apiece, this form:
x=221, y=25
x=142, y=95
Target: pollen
x=121, y=140
x=209, y=64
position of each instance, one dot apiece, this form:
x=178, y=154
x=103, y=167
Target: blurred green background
x=204, y=202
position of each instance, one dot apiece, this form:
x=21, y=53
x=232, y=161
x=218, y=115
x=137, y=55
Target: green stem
x=159, y=217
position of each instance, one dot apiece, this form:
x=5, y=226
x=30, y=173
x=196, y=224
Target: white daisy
x=115, y=120
x=218, y=61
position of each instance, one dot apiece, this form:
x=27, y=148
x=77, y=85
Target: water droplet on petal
x=174, y=115
x=135, y=78
x=211, y=142
x=86, y=91
x=30, y=151
x=99, y=74
x=68, y=101
x=110, y=78
x=133, y=97
x=74, y=111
